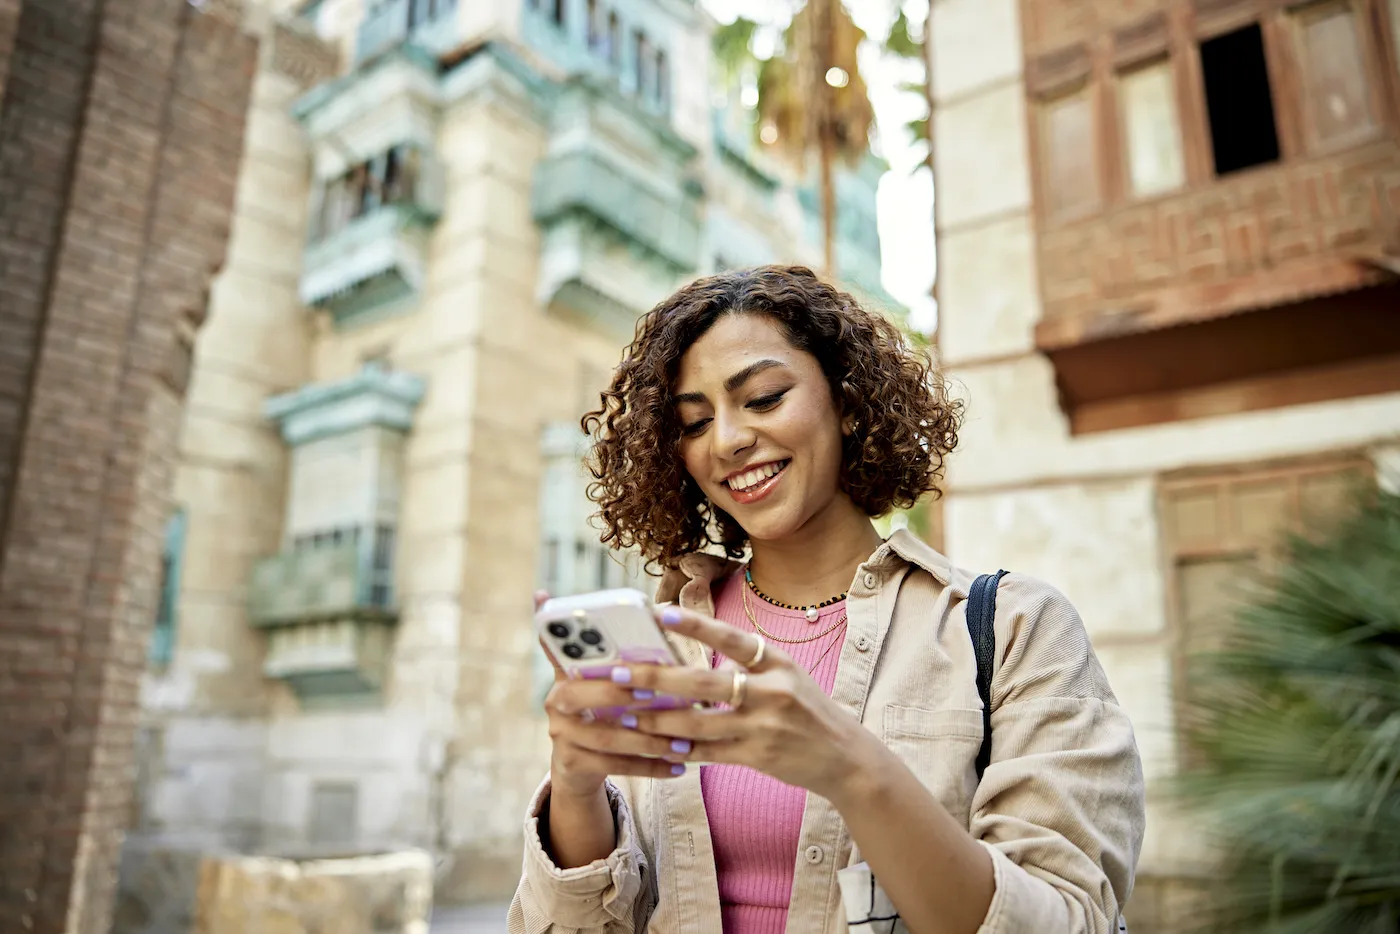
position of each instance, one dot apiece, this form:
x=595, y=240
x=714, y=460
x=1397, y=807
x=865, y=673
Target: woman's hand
x=785, y=726
x=588, y=748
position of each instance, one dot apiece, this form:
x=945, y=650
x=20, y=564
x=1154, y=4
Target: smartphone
x=590, y=634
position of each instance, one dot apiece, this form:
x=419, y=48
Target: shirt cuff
x=586, y=896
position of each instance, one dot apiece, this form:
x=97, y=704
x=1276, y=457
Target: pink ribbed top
x=756, y=821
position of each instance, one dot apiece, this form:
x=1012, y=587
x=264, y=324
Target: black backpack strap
x=981, y=616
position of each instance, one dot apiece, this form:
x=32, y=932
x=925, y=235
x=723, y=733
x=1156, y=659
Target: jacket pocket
x=940, y=748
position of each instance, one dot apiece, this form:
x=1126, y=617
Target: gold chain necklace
x=748, y=611
x=811, y=612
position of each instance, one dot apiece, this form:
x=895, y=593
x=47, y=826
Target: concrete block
x=975, y=43
x=981, y=157
x=356, y=895
x=989, y=294
x=1096, y=542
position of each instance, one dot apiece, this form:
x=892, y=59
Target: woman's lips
x=760, y=490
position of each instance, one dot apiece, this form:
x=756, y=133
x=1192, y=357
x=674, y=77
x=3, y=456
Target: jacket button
x=869, y=581
x=862, y=644
x=814, y=854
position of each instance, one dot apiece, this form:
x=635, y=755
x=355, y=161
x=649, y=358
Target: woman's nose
x=732, y=436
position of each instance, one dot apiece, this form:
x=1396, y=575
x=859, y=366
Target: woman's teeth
x=754, y=477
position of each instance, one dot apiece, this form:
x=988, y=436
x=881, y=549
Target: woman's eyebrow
x=733, y=382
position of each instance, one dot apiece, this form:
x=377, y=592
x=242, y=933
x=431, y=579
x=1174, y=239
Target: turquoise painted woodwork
x=162, y=647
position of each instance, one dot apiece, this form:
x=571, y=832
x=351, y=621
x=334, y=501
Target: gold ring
x=758, y=654
x=740, y=688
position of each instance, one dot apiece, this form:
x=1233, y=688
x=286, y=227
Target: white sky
x=906, y=197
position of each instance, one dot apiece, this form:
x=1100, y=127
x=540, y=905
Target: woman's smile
x=755, y=483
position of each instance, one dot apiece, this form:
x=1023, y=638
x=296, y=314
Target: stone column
x=121, y=130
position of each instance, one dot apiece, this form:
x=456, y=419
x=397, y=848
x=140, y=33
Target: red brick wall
x=9, y=20
x=99, y=263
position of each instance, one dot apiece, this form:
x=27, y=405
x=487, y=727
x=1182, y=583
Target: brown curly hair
x=905, y=420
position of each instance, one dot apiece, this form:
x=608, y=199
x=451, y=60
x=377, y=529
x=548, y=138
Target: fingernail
x=677, y=770
x=643, y=694
x=629, y=721
x=671, y=616
x=681, y=746
x=621, y=675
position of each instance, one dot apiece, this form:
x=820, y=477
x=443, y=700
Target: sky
x=906, y=197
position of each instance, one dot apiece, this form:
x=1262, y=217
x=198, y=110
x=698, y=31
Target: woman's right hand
x=582, y=827
x=587, y=749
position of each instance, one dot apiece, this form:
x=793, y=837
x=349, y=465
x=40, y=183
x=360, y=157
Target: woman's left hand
x=785, y=725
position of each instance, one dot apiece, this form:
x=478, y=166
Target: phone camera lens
x=591, y=636
x=573, y=650
x=559, y=630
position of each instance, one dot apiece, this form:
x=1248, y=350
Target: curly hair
x=905, y=420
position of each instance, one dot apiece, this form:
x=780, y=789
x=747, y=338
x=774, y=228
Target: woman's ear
x=849, y=424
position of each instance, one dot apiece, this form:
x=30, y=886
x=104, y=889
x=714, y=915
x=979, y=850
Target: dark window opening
x=1241, y=107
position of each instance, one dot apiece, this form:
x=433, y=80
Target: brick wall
x=120, y=136
x=9, y=19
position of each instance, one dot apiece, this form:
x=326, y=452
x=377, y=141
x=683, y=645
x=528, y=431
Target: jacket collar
x=690, y=579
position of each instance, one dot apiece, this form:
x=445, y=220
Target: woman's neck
x=817, y=563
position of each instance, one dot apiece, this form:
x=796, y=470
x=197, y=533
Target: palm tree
x=903, y=43
x=1296, y=729
x=812, y=101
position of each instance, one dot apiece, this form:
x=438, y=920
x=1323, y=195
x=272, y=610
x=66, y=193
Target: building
x=440, y=245
x=1170, y=243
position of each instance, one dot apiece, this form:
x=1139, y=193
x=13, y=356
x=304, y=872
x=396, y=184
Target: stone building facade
x=1170, y=243
x=442, y=240
x=121, y=130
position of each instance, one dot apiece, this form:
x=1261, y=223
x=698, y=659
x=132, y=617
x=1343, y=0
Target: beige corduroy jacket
x=1060, y=807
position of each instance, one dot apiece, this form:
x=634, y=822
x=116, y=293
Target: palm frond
x=901, y=41
x=732, y=47
x=1295, y=723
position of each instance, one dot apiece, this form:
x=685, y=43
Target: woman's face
x=761, y=434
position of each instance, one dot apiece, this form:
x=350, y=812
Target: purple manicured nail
x=671, y=616
x=643, y=694
x=678, y=770
x=622, y=675
x=681, y=746
x=629, y=721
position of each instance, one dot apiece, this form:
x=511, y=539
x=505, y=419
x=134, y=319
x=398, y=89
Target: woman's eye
x=694, y=428
x=764, y=403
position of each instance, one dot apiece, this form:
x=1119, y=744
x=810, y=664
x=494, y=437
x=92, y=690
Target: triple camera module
x=587, y=637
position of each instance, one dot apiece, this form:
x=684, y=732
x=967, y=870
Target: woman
x=762, y=412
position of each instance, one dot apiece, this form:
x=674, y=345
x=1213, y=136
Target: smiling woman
x=763, y=414
x=896, y=419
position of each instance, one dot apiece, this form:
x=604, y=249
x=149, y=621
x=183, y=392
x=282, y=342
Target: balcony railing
x=368, y=238
x=335, y=576
x=391, y=23
x=583, y=182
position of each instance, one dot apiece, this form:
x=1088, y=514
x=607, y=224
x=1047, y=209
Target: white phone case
x=590, y=634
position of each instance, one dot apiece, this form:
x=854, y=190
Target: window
x=1070, y=169
x=1239, y=100
x=1336, y=93
x=554, y=9
x=334, y=814
x=573, y=560
x=389, y=178
x=663, y=82
x=595, y=25
x=642, y=62
x=162, y=647
x=1151, y=130
x=614, y=40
